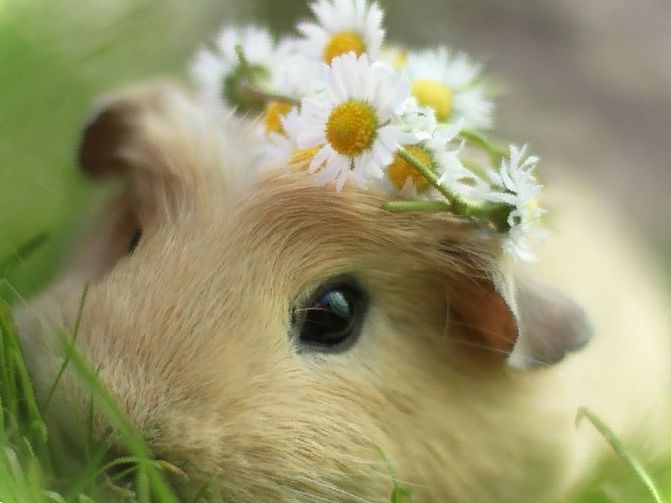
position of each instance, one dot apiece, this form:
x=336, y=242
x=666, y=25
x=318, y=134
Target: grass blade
x=25, y=403
x=149, y=477
x=22, y=253
x=66, y=360
x=622, y=452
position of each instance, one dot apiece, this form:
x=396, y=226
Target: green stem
x=254, y=92
x=429, y=175
x=244, y=62
x=497, y=214
x=401, y=206
x=248, y=86
x=495, y=153
x=457, y=205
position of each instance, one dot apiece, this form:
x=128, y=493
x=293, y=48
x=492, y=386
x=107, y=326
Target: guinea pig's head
x=294, y=342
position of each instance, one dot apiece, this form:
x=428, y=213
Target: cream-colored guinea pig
x=301, y=344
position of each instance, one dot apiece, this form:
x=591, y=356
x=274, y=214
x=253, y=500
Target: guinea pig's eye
x=331, y=319
x=134, y=241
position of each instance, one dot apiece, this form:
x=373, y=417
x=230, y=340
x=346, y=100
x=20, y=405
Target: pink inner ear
x=102, y=139
x=482, y=313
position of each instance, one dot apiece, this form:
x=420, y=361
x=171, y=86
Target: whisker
x=303, y=309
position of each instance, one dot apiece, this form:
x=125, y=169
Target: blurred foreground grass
x=55, y=58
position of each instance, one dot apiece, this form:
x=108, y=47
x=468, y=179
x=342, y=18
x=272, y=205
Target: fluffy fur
x=192, y=331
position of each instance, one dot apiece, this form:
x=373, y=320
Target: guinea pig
x=295, y=343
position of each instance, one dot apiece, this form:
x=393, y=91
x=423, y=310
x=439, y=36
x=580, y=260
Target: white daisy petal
x=388, y=136
x=515, y=184
x=408, y=190
x=451, y=84
x=381, y=154
x=324, y=155
x=333, y=167
x=212, y=68
x=356, y=91
x=360, y=165
x=341, y=26
x=310, y=138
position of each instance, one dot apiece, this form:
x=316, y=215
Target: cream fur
x=191, y=332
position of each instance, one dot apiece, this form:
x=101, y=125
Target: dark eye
x=134, y=241
x=331, y=319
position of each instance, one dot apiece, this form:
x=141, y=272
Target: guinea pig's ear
x=144, y=136
x=532, y=324
x=550, y=325
x=168, y=148
x=103, y=147
x=168, y=143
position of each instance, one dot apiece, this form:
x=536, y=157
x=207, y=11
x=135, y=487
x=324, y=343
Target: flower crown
x=337, y=102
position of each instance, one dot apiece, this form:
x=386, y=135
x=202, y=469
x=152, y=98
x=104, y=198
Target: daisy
x=273, y=116
x=280, y=148
x=450, y=85
x=439, y=151
x=416, y=120
x=351, y=122
x=343, y=26
x=515, y=185
x=221, y=75
x=295, y=77
x=394, y=55
x=459, y=179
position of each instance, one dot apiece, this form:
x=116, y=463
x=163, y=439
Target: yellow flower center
x=433, y=94
x=302, y=157
x=273, y=114
x=399, y=59
x=351, y=127
x=532, y=204
x=400, y=169
x=342, y=43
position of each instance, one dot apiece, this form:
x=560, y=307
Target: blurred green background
x=587, y=84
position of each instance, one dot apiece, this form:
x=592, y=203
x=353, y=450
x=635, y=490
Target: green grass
x=35, y=467
x=55, y=58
